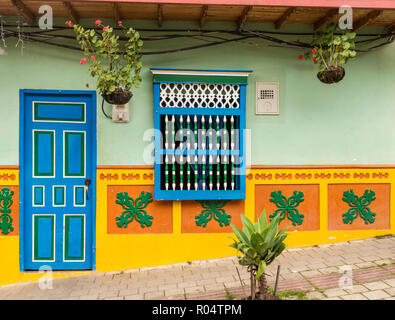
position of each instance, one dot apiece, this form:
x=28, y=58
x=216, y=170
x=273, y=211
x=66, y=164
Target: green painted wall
x=346, y=123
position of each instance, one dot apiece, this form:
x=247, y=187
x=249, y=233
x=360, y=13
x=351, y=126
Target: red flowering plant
x=332, y=48
x=115, y=61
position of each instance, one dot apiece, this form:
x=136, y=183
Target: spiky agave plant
x=260, y=243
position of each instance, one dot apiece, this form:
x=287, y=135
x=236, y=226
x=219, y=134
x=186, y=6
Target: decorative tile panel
x=298, y=205
x=362, y=206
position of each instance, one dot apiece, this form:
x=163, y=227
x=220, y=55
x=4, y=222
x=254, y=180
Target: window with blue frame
x=200, y=134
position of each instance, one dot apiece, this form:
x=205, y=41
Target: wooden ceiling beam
x=160, y=15
x=203, y=16
x=116, y=13
x=243, y=18
x=72, y=13
x=391, y=28
x=283, y=19
x=329, y=15
x=24, y=11
x=365, y=20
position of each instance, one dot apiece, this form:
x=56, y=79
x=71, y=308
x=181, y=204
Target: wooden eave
x=279, y=12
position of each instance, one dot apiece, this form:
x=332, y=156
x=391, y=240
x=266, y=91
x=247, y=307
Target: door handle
x=87, y=183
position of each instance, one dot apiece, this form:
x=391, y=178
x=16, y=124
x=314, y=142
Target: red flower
x=315, y=60
x=314, y=51
x=93, y=57
x=98, y=21
x=301, y=57
x=83, y=60
x=119, y=23
x=70, y=25
x=105, y=29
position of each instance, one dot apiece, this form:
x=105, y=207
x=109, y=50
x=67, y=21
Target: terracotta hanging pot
x=118, y=97
x=331, y=75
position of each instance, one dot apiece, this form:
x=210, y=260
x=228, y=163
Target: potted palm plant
x=260, y=243
x=332, y=48
x=116, y=64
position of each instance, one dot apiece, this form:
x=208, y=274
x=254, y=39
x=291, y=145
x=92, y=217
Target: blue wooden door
x=57, y=157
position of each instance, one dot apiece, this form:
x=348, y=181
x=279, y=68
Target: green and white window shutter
x=200, y=134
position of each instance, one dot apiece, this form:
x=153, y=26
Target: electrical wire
x=46, y=38
x=102, y=109
x=57, y=28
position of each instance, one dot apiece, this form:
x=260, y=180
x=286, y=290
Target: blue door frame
x=57, y=152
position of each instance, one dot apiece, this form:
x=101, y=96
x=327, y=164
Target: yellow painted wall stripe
x=123, y=251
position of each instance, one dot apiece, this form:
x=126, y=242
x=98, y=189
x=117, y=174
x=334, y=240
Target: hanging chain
x=20, y=36
x=2, y=35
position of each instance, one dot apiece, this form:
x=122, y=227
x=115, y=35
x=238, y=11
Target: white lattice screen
x=194, y=95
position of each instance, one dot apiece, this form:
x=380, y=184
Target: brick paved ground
x=314, y=270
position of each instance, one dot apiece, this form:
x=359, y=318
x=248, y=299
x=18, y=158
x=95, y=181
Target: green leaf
x=240, y=234
x=251, y=253
x=261, y=269
x=281, y=248
x=261, y=249
x=269, y=237
x=234, y=245
x=256, y=239
x=344, y=53
x=264, y=231
x=278, y=241
x=262, y=221
x=248, y=227
x=351, y=35
x=275, y=222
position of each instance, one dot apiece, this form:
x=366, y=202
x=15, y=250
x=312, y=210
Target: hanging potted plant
x=332, y=48
x=117, y=65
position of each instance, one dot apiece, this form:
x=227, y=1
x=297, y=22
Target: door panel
x=74, y=154
x=43, y=237
x=74, y=241
x=43, y=153
x=58, y=155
